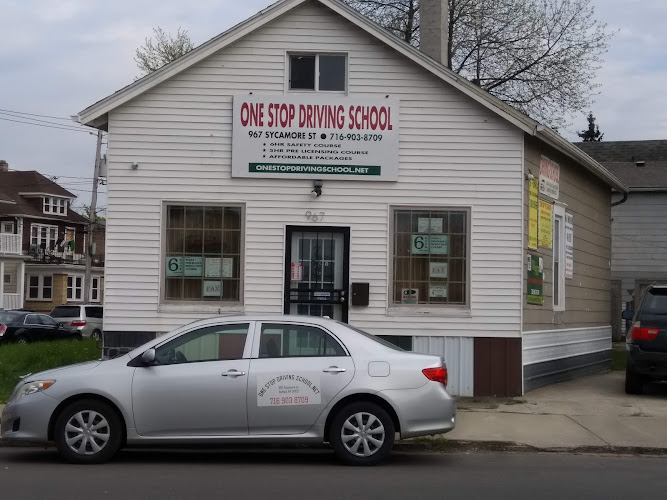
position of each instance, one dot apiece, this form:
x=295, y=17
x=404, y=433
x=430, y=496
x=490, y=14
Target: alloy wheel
x=362, y=434
x=87, y=432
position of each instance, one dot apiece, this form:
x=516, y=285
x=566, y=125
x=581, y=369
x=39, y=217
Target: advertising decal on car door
x=291, y=389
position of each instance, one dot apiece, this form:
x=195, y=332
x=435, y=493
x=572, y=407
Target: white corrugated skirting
x=458, y=354
x=548, y=345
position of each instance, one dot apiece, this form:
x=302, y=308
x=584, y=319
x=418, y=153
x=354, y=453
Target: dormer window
x=57, y=206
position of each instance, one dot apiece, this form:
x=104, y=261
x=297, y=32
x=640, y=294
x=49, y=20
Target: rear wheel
x=88, y=432
x=21, y=340
x=362, y=434
x=634, y=382
x=96, y=335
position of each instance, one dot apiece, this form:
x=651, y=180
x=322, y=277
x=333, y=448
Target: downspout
x=622, y=200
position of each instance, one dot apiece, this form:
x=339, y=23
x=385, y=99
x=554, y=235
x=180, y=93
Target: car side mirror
x=148, y=357
x=628, y=315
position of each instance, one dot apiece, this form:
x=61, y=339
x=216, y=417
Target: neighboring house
x=48, y=240
x=639, y=224
x=308, y=162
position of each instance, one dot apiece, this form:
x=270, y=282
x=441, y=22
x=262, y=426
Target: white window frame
x=40, y=287
x=55, y=206
x=95, y=286
x=74, y=291
x=558, y=244
x=288, y=73
x=5, y=225
x=452, y=310
x=39, y=228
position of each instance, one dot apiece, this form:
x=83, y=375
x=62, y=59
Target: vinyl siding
x=639, y=240
x=587, y=295
x=453, y=153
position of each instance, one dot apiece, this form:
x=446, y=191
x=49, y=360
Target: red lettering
x=374, y=118
x=309, y=116
x=292, y=114
x=245, y=113
x=302, y=116
x=341, y=117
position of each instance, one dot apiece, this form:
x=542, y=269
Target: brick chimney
x=4, y=166
x=434, y=29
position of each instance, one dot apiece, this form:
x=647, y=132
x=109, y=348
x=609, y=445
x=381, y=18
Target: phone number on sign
x=289, y=400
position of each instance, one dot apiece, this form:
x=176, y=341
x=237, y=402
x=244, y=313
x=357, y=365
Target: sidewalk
x=587, y=412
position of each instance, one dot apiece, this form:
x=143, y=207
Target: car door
x=295, y=371
x=33, y=328
x=197, y=386
x=51, y=330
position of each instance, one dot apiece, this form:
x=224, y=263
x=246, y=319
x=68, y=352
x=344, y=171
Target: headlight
x=31, y=388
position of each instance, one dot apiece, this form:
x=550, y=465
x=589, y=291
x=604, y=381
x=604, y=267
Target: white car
x=242, y=379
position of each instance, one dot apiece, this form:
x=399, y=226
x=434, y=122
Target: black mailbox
x=360, y=294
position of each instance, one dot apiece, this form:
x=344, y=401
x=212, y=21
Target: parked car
x=86, y=318
x=17, y=327
x=238, y=379
x=646, y=342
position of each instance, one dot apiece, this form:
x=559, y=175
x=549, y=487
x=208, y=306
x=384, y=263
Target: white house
x=306, y=161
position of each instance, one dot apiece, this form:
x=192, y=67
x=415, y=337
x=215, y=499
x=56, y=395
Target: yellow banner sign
x=533, y=207
x=545, y=228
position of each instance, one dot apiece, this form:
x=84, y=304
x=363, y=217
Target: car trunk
x=649, y=332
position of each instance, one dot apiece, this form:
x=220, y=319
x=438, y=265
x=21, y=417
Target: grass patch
x=618, y=357
x=17, y=360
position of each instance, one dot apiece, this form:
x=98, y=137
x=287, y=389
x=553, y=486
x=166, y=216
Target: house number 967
x=314, y=216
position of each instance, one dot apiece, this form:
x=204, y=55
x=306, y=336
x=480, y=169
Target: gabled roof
x=15, y=185
x=621, y=157
x=96, y=115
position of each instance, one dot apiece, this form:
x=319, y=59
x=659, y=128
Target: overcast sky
x=59, y=56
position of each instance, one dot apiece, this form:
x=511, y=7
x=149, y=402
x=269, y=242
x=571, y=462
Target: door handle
x=333, y=369
x=233, y=373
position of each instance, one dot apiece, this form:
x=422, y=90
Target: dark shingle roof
x=15, y=182
x=621, y=157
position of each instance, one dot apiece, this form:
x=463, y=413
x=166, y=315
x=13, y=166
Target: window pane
x=332, y=73
x=302, y=72
x=176, y=217
x=34, y=280
x=48, y=280
x=207, y=344
x=46, y=293
x=280, y=340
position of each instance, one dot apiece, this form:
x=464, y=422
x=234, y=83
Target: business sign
x=438, y=270
x=545, y=233
x=297, y=271
x=409, y=296
x=533, y=209
x=569, y=245
x=315, y=137
x=289, y=389
x=535, y=281
x=174, y=266
x=429, y=225
x=549, y=177
x=437, y=291
x=212, y=289
x=193, y=266
x=434, y=244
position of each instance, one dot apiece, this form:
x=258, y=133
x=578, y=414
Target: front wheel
x=362, y=434
x=88, y=432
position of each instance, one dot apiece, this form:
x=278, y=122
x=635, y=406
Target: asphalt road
x=147, y=474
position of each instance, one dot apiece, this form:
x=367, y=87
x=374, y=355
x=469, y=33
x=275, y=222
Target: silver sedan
x=242, y=379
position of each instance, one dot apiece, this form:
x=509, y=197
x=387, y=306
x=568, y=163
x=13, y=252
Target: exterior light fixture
x=317, y=189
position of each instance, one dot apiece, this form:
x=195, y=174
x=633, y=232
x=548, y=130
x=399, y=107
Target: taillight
x=436, y=374
x=642, y=333
x=3, y=329
x=78, y=323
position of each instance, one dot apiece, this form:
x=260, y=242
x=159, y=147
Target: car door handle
x=333, y=369
x=233, y=373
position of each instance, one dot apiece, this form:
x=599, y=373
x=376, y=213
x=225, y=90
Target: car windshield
x=9, y=317
x=655, y=302
x=372, y=337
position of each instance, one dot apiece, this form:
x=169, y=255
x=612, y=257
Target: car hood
x=63, y=370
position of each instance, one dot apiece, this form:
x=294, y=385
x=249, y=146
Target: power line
x=33, y=114
x=49, y=126
x=75, y=127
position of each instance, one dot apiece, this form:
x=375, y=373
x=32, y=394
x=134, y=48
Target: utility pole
x=87, y=282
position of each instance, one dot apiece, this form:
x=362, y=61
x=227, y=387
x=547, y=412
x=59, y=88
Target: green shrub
x=17, y=360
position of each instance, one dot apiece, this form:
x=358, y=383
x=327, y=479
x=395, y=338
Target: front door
x=317, y=271
x=197, y=386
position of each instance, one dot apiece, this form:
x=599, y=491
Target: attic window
x=57, y=206
x=318, y=72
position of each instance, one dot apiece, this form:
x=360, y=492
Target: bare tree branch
x=165, y=49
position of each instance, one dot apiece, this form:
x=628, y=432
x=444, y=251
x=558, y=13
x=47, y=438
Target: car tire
x=362, y=434
x=96, y=335
x=634, y=383
x=21, y=340
x=84, y=426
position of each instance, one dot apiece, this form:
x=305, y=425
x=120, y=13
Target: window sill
x=425, y=312
x=201, y=308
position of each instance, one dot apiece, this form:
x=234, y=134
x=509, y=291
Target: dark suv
x=647, y=340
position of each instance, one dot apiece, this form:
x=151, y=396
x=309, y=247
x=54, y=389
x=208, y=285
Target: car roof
x=288, y=318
